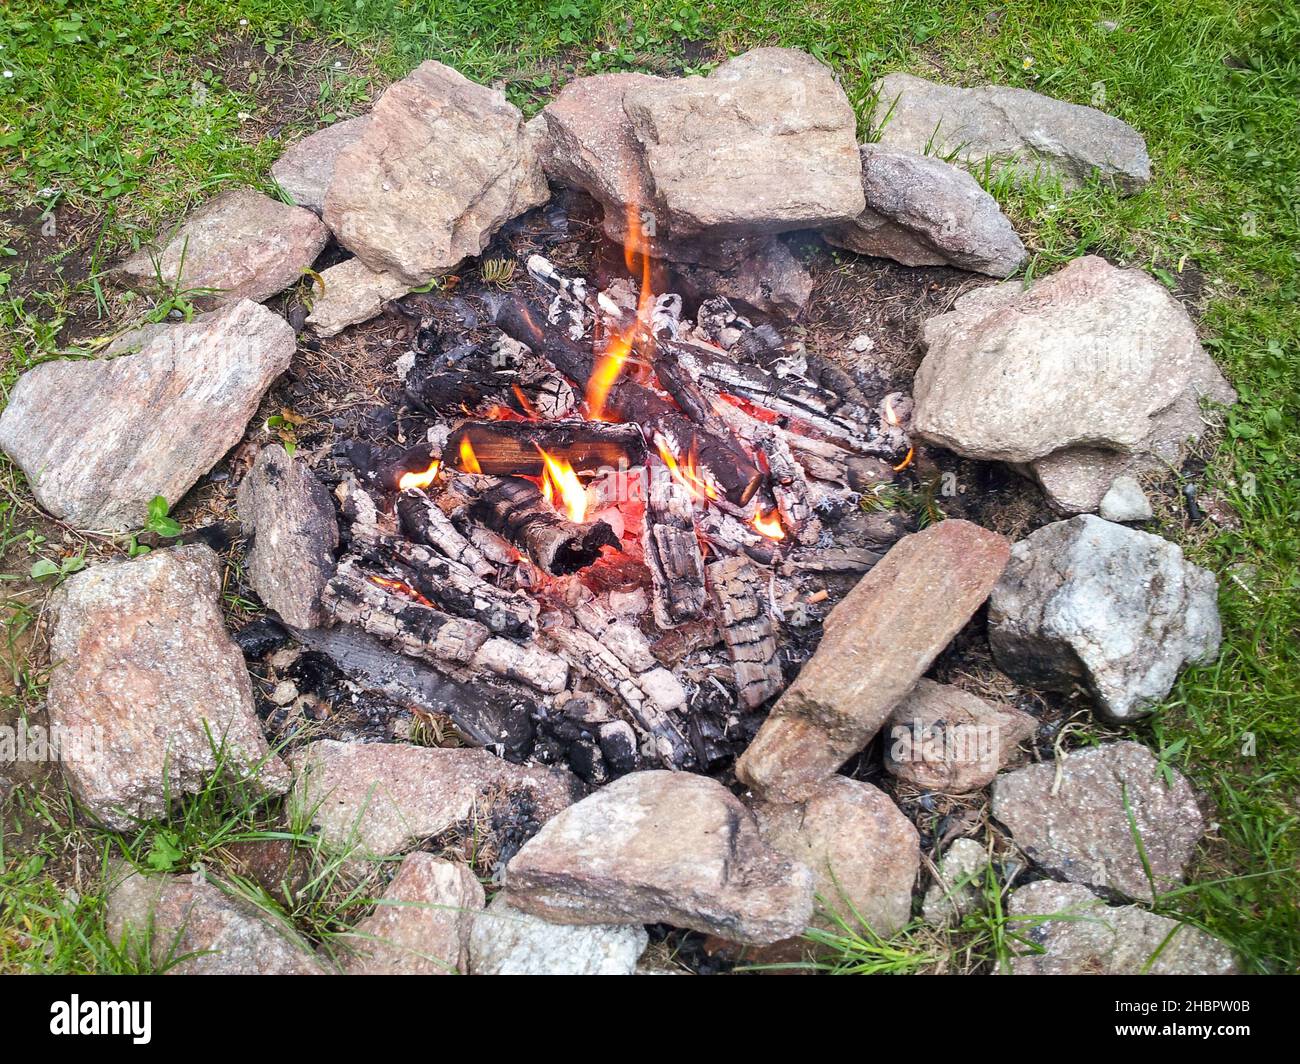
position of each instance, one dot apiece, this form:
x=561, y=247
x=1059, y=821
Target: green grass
x=132, y=114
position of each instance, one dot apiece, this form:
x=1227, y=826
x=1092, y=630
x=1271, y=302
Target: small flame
x=415, y=481
x=609, y=367
x=687, y=472
x=397, y=587
x=527, y=407
x=769, y=525
x=468, y=459
x=560, y=482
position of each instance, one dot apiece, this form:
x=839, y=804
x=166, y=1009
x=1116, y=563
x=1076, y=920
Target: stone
x=1071, y=818
x=421, y=925
x=1089, y=372
x=764, y=144
x=441, y=166
x=305, y=170
x=506, y=941
x=772, y=280
x=1011, y=128
x=945, y=739
x=288, y=518
x=957, y=890
x=875, y=645
x=353, y=293
x=1125, y=501
x=662, y=847
x=1099, y=939
x=922, y=211
x=863, y=852
x=1089, y=604
x=241, y=244
x=145, y=670
x=189, y=927
x=374, y=800
x=99, y=438
x=279, y=866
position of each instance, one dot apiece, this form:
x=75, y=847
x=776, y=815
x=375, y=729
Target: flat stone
x=306, y=168
x=98, y=439
x=353, y=293
x=958, y=888
x=942, y=738
x=1115, y=611
x=144, y=671
x=662, y=847
x=242, y=244
x=422, y=923
x=506, y=941
x=922, y=211
x=1071, y=818
x=1094, y=938
x=1028, y=132
x=875, y=645
x=442, y=165
x=380, y=799
x=1089, y=372
x=287, y=515
x=765, y=143
x=1125, y=501
x=197, y=928
x=771, y=280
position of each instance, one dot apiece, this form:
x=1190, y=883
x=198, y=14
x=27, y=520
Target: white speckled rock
x=353, y=293
x=1125, y=501
x=306, y=168
x=957, y=891
x=506, y=941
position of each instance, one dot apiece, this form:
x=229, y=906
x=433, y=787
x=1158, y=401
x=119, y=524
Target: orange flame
x=687, y=472
x=560, y=482
x=769, y=525
x=468, y=459
x=609, y=367
x=414, y=481
x=399, y=588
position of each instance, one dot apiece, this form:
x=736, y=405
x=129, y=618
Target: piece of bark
x=745, y=620
x=287, y=514
x=875, y=645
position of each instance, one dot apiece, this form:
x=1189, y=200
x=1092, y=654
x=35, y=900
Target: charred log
x=510, y=448
x=672, y=551
x=423, y=522
x=745, y=619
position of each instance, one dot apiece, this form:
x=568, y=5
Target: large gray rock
x=379, y=799
x=1009, y=127
x=662, y=847
x=196, y=928
x=146, y=672
x=1085, y=603
x=925, y=212
x=506, y=941
x=421, y=925
x=1093, y=938
x=1088, y=373
x=442, y=164
x=306, y=168
x=241, y=243
x=287, y=515
x=353, y=293
x=1077, y=818
x=99, y=439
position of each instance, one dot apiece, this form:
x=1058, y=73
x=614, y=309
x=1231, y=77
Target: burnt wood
x=745, y=620
x=672, y=550
x=510, y=448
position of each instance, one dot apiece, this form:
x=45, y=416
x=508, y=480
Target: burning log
x=423, y=522
x=790, y=490
x=672, y=551
x=729, y=535
x=745, y=620
x=511, y=448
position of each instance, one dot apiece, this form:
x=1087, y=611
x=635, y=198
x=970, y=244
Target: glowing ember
x=907, y=461
x=686, y=472
x=468, y=459
x=399, y=588
x=609, y=367
x=416, y=481
x=562, y=488
x=530, y=411
x=769, y=525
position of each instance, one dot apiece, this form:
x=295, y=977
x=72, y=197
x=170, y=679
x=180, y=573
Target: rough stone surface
x=863, y=852
x=379, y=799
x=957, y=891
x=353, y=293
x=1088, y=372
x=506, y=941
x=1125, y=501
x=289, y=518
x=771, y=280
x=875, y=645
x=441, y=166
x=241, y=243
x=1113, y=610
x=922, y=211
x=192, y=928
x=144, y=665
x=421, y=925
x=765, y=143
x=1070, y=818
x=1012, y=127
x=942, y=738
x=99, y=439
x=1098, y=939
x=306, y=168
x=662, y=847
